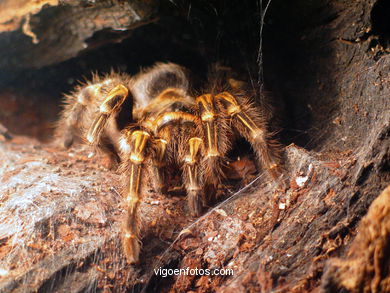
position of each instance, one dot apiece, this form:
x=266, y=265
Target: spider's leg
x=188, y=154
x=107, y=146
x=109, y=106
x=192, y=176
x=163, y=127
x=72, y=115
x=252, y=125
x=133, y=148
x=159, y=161
x=216, y=142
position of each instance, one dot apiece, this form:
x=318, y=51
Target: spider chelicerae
x=150, y=122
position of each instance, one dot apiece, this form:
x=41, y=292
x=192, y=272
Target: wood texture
x=44, y=35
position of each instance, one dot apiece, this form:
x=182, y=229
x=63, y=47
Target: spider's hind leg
x=251, y=123
x=215, y=133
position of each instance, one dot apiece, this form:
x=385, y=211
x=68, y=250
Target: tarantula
x=151, y=121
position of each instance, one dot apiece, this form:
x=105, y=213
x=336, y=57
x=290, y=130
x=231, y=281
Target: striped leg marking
x=208, y=115
x=137, y=142
x=110, y=105
x=192, y=176
x=257, y=136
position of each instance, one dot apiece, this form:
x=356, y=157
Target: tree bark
x=36, y=34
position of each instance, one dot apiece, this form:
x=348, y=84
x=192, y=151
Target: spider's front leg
x=192, y=176
x=190, y=149
x=87, y=113
x=159, y=163
x=107, y=108
x=133, y=149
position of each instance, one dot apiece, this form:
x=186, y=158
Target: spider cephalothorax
x=151, y=122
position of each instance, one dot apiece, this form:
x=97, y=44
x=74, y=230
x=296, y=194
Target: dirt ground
x=65, y=234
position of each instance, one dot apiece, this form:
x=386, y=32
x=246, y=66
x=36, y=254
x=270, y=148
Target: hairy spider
x=150, y=122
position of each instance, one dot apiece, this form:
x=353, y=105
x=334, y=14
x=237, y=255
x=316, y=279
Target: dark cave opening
x=380, y=20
